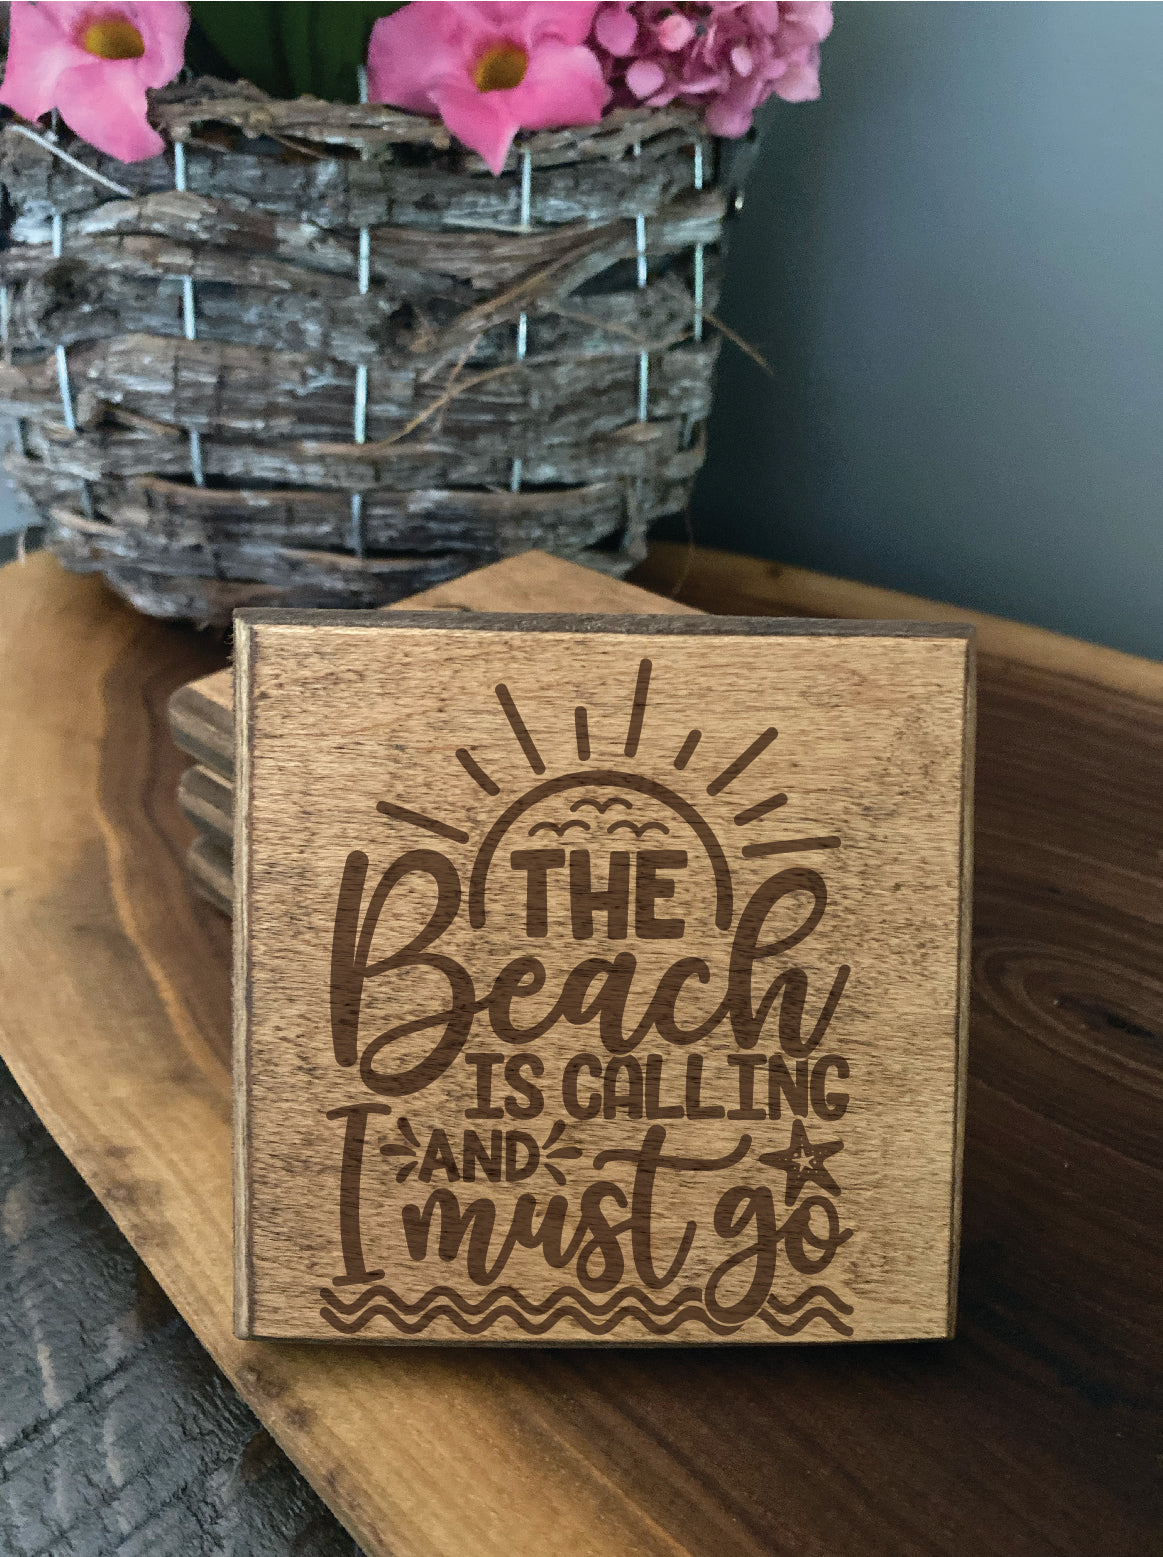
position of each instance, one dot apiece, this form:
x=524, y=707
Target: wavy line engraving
x=797, y=1325
x=527, y=1326
x=806, y=1296
x=592, y=1326
x=637, y=828
x=602, y=806
x=560, y=828
x=511, y=1294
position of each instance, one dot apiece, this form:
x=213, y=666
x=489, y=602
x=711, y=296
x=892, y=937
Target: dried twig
x=736, y=339
x=428, y=374
x=578, y=317
x=46, y=144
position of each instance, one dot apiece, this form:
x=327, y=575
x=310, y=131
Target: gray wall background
x=954, y=264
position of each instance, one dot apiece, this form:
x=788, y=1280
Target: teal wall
x=954, y=263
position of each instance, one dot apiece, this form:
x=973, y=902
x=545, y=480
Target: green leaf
x=247, y=37
x=287, y=48
x=338, y=37
x=297, y=23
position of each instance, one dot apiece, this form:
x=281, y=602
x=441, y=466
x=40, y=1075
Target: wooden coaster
x=598, y=977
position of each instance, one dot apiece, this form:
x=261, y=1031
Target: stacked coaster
x=202, y=713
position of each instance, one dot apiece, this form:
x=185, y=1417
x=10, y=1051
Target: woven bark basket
x=319, y=355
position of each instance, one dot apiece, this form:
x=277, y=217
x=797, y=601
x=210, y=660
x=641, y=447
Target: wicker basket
x=318, y=355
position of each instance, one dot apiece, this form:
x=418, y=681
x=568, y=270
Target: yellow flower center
x=501, y=68
x=112, y=38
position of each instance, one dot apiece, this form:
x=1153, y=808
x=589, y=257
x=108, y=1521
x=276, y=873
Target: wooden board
x=117, y=1432
x=1033, y=1432
x=550, y=857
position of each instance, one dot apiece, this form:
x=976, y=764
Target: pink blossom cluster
x=726, y=59
x=488, y=69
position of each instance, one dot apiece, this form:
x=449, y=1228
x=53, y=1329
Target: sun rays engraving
x=636, y=721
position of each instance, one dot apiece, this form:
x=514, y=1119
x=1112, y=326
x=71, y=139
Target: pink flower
x=723, y=58
x=489, y=70
x=94, y=63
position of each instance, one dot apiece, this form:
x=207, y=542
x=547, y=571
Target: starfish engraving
x=804, y=1162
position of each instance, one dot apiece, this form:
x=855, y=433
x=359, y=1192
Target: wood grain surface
x=633, y=923
x=1031, y=1433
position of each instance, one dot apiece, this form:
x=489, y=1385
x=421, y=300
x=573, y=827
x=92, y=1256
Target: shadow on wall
x=953, y=264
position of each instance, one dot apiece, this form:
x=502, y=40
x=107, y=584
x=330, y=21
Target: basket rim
x=178, y=110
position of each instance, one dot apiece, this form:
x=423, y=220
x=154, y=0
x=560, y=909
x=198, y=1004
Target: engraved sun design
x=644, y=809
x=618, y=820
